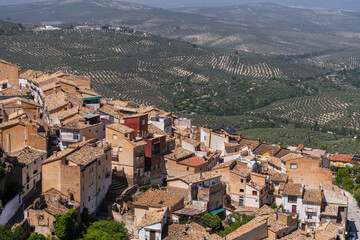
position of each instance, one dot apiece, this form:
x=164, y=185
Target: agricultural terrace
x=337, y=109
x=176, y=75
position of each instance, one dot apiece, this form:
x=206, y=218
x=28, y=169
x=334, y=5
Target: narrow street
x=353, y=215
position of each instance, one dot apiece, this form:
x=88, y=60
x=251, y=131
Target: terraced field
x=154, y=70
x=348, y=59
x=337, y=109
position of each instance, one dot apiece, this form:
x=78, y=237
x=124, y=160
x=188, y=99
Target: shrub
x=147, y=187
x=106, y=230
x=212, y=221
x=66, y=226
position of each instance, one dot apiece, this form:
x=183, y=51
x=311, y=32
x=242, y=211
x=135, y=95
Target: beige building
x=255, y=229
x=181, y=161
x=311, y=208
x=28, y=160
x=301, y=169
x=128, y=153
x=18, y=133
x=202, y=189
x=10, y=72
x=156, y=200
x=41, y=215
x=256, y=191
x=235, y=175
x=82, y=171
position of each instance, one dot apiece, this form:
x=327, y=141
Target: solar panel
x=217, y=127
x=230, y=130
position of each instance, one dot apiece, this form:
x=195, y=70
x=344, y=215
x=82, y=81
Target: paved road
x=353, y=215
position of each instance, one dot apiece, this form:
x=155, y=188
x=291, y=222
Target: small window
x=120, y=149
x=114, y=136
x=165, y=161
x=292, y=199
x=328, y=219
x=99, y=163
x=254, y=193
x=293, y=166
x=35, y=162
x=76, y=137
x=89, y=199
x=206, y=197
x=27, y=186
x=143, y=122
x=187, y=169
x=276, y=184
x=241, y=190
x=242, y=180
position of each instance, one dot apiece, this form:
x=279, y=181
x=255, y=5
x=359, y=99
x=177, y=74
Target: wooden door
x=152, y=235
x=293, y=208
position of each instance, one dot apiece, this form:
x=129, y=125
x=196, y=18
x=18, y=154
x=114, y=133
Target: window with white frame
x=114, y=136
x=293, y=166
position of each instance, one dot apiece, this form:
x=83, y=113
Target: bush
x=106, y=230
x=36, y=236
x=212, y=221
x=147, y=187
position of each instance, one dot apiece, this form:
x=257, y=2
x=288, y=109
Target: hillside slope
x=255, y=31
x=169, y=73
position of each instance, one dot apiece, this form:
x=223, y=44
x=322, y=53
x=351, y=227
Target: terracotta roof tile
x=178, y=154
x=27, y=155
x=158, y=198
x=313, y=196
x=85, y=155
x=155, y=130
x=192, y=231
x=197, y=177
x=193, y=161
x=152, y=217
x=120, y=128
x=340, y=157
x=253, y=224
x=293, y=189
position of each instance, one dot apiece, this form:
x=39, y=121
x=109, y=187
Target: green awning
x=91, y=98
x=217, y=211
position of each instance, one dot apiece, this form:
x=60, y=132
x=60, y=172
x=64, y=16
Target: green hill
x=153, y=70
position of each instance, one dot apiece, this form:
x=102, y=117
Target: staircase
x=118, y=185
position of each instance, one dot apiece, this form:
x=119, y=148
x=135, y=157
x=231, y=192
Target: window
x=328, y=219
x=254, y=193
x=276, y=184
x=293, y=166
x=99, y=162
x=242, y=180
x=206, y=197
x=35, y=162
x=27, y=186
x=76, y=136
x=91, y=183
x=114, y=136
x=292, y=199
x=89, y=199
x=143, y=122
x=120, y=149
x=241, y=190
x=165, y=161
x=187, y=169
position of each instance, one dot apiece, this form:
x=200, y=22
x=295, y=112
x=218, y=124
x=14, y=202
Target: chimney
x=259, y=140
x=11, y=62
x=83, y=138
x=49, y=73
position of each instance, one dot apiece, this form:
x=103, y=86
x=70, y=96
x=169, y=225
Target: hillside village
x=64, y=146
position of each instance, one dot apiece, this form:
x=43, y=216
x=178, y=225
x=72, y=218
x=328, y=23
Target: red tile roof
x=300, y=147
x=192, y=161
x=341, y=157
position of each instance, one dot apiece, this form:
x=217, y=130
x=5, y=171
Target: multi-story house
x=235, y=175
x=181, y=162
x=292, y=198
x=28, y=161
x=201, y=189
x=82, y=171
x=10, y=72
x=256, y=191
x=162, y=122
x=277, y=185
x=12, y=107
x=302, y=169
x=18, y=133
x=311, y=208
x=128, y=153
x=81, y=128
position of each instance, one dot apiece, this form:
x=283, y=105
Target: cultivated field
x=338, y=109
x=154, y=70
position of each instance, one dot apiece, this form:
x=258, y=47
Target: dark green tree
x=212, y=221
x=106, y=230
x=66, y=226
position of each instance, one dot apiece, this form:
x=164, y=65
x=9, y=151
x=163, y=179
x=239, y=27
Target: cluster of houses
x=63, y=146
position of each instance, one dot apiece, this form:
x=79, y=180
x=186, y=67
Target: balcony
x=310, y=220
x=310, y=210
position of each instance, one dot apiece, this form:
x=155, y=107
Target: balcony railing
x=312, y=210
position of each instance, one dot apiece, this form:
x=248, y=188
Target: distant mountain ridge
x=258, y=28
